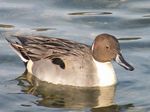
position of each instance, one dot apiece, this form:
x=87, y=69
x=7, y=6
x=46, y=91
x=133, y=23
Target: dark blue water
x=79, y=20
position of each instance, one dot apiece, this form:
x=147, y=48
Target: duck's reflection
x=50, y=95
x=113, y=108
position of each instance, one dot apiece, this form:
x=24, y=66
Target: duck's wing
x=37, y=47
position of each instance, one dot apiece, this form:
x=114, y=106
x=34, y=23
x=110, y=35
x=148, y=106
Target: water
x=79, y=20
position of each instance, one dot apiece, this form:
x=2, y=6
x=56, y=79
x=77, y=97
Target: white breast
x=105, y=73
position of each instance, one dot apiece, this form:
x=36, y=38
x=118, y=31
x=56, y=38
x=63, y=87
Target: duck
x=66, y=62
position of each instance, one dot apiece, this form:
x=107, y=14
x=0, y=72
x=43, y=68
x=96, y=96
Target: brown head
x=106, y=48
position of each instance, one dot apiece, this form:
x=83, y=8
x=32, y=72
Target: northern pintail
x=66, y=62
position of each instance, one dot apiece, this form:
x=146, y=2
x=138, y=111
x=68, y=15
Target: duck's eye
x=107, y=47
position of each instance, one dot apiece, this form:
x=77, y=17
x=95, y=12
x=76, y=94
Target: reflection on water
x=79, y=20
x=146, y=16
x=60, y=96
x=69, y=96
x=89, y=13
x=43, y=29
x=113, y=108
x=130, y=38
x=6, y=26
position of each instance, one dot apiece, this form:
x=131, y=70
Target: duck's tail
x=20, y=50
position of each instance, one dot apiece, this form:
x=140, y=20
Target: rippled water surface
x=79, y=20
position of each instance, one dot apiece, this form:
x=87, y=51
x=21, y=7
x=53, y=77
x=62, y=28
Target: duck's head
x=106, y=48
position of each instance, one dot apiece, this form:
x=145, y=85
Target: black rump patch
x=58, y=61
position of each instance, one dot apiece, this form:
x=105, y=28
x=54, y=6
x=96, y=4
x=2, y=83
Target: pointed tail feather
x=22, y=39
x=20, y=51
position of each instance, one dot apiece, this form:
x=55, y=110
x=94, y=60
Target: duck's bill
x=120, y=60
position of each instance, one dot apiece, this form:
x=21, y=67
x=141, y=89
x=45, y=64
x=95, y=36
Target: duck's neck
x=105, y=73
